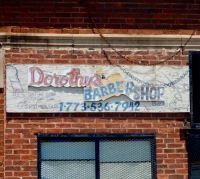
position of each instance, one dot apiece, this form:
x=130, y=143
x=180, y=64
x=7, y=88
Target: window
x=195, y=88
x=194, y=155
x=96, y=156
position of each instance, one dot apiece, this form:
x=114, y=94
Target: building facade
x=96, y=89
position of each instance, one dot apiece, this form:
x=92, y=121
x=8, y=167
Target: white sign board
x=99, y=88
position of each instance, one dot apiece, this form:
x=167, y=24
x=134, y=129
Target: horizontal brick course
x=87, y=57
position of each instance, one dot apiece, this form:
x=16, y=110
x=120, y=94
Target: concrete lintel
x=95, y=41
x=66, y=36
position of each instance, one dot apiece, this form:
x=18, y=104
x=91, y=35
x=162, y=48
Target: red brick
x=71, y=120
x=54, y=130
x=71, y=130
x=12, y=168
x=36, y=131
x=172, y=161
x=96, y=126
x=12, y=136
x=12, y=157
x=118, y=130
x=27, y=50
x=120, y=120
x=166, y=130
x=135, y=120
x=174, y=145
x=182, y=171
x=18, y=152
x=13, y=50
x=44, y=52
x=160, y=125
x=19, y=56
x=95, y=115
x=5, y=29
x=145, y=31
x=8, y=174
x=143, y=125
x=103, y=131
x=169, y=171
x=112, y=126
x=21, y=141
x=61, y=51
x=78, y=115
x=36, y=56
x=53, y=31
x=79, y=62
x=168, y=140
x=28, y=61
x=175, y=156
x=175, y=166
x=87, y=130
x=181, y=161
x=127, y=125
x=159, y=141
x=176, y=176
x=80, y=125
x=143, y=115
x=161, y=145
x=161, y=166
x=54, y=120
x=13, y=126
x=160, y=171
x=21, y=173
x=170, y=31
x=71, y=31
x=150, y=130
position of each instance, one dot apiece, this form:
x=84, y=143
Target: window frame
x=191, y=151
x=194, y=96
x=98, y=137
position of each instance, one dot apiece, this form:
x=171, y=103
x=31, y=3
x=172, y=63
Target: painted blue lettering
x=153, y=93
x=104, y=91
x=136, y=93
x=87, y=94
x=119, y=86
x=145, y=93
x=160, y=92
x=129, y=87
x=111, y=88
x=96, y=93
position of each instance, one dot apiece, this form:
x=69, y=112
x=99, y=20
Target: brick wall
x=74, y=56
x=108, y=14
x=112, y=17
x=21, y=143
x=21, y=128
x=2, y=117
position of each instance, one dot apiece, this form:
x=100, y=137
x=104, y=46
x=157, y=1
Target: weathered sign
x=99, y=88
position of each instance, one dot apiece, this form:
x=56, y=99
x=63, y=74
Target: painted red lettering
x=34, y=71
x=64, y=80
x=97, y=81
x=57, y=79
x=73, y=80
x=48, y=80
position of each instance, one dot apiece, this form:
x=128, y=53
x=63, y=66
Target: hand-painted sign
x=95, y=88
x=87, y=88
